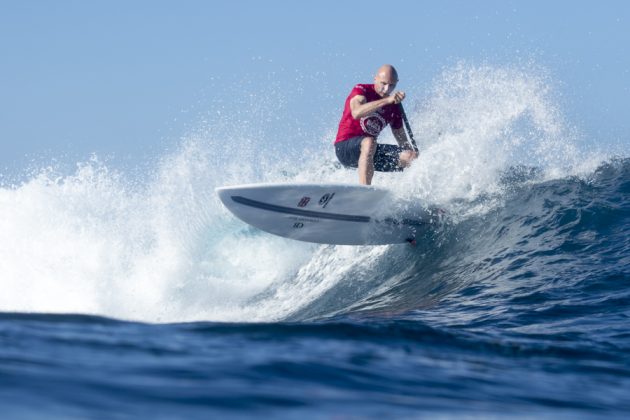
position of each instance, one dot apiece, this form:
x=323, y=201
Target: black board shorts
x=386, y=157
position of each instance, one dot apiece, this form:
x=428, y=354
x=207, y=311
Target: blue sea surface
x=521, y=311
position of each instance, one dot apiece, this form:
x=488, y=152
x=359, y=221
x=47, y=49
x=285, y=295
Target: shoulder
x=361, y=90
x=358, y=90
x=366, y=88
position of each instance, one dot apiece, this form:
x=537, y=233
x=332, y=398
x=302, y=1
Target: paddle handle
x=408, y=127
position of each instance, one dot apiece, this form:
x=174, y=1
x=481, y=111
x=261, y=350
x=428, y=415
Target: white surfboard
x=338, y=214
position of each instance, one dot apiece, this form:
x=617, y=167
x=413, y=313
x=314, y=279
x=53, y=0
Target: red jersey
x=370, y=125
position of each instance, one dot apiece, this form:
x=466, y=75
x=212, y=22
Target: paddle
x=408, y=127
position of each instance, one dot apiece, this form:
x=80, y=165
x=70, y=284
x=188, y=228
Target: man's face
x=384, y=83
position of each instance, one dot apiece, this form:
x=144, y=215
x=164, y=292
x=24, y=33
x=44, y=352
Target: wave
x=550, y=240
x=524, y=200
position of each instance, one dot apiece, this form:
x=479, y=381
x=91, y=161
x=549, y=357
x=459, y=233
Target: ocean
x=126, y=295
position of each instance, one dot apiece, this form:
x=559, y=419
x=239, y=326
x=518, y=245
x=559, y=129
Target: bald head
x=388, y=71
x=385, y=80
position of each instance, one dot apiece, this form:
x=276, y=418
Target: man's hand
x=396, y=98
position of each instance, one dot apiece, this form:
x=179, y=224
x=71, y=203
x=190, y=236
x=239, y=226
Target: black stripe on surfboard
x=306, y=213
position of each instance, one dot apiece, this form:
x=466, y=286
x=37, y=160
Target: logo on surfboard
x=326, y=199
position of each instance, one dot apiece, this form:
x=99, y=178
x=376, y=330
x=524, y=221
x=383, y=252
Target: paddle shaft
x=408, y=127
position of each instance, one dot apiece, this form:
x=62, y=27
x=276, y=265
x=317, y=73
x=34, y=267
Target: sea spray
x=479, y=121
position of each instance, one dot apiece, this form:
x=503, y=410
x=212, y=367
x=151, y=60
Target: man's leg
x=366, y=160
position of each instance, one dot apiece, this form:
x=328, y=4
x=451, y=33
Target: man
x=368, y=109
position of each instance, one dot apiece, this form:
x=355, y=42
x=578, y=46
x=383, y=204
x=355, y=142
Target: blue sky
x=128, y=79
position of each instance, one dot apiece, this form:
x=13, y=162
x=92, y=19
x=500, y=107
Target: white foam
x=479, y=121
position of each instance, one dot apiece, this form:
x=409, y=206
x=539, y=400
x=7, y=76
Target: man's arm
x=359, y=107
x=401, y=138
